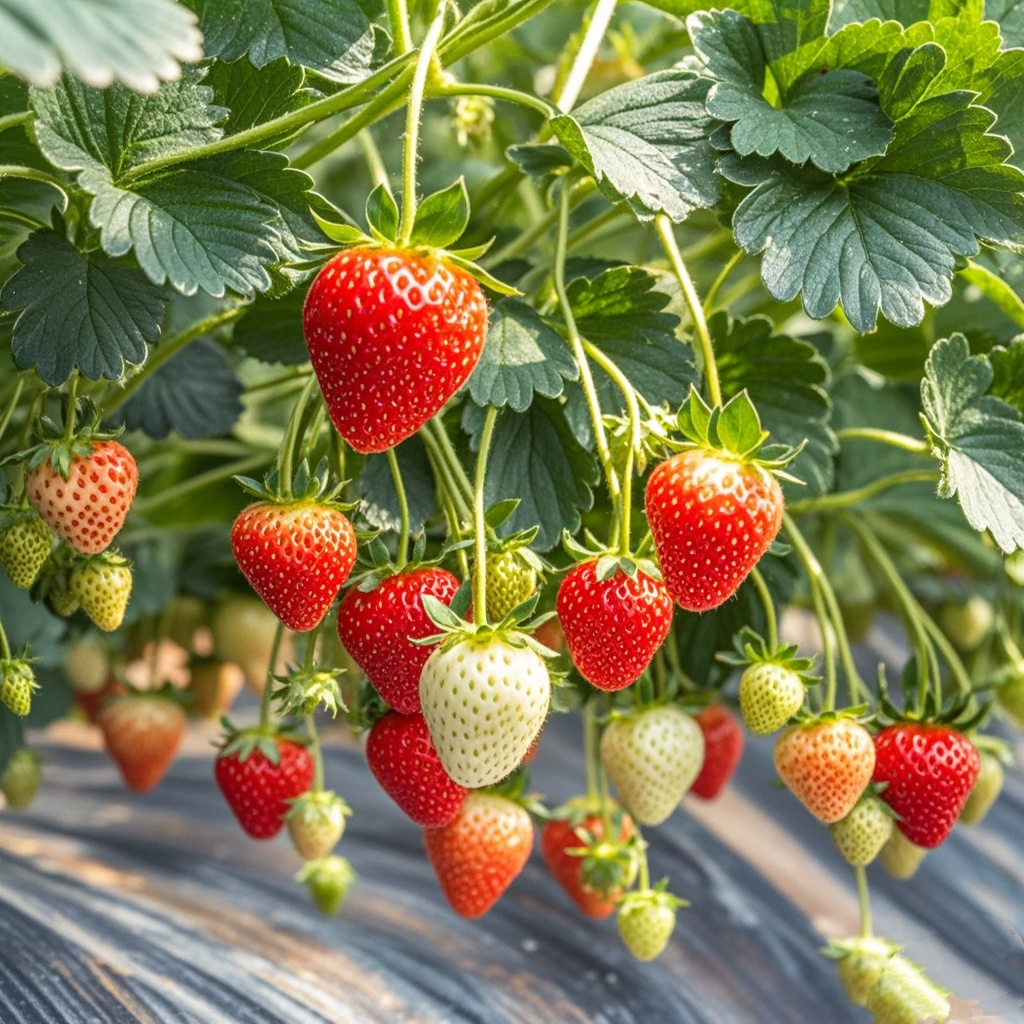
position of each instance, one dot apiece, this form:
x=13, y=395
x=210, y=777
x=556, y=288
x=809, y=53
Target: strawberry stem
x=497, y=92
x=479, y=522
x=5, y=647
x=596, y=29
x=292, y=438
x=315, y=752
x=463, y=489
x=447, y=491
x=240, y=467
x=5, y=420
x=864, y=895
x=412, y=124
x=398, y=19
x=844, y=499
x=403, y=508
x=667, y=236
x=890, y=437
x=71, y=414
x=268, y=684
x=769, y=607
x=709, y=299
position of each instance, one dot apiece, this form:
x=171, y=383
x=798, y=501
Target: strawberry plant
x=633, y=325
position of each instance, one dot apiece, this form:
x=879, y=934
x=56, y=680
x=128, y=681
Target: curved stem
x=315, y=752
x=13, y=120
x=449, y=485
x=497, y=92
x=577, y=76
x=666, y=233
x=890, y=437
x=268, y=684
x=479, y=522
x=412, y=125
x=71, y=415
x=709, y=299
x=403, y=508
x=644, y=877
x=828, y=649
x=471, y=34
x=864, y=898
x=398, y=19
x=20, y=217
x=844, y=499
x=32, y=174
x=5, y=420
x=769, y=607
x=452, y=459
x=371, y=154
x=292, y=438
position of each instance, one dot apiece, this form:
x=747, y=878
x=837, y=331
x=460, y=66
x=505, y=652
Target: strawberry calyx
x=653, y=896
x=328, y=880
x=374, y=564
x=959, y=711
x=306, y=485
x=318, y=805
x=608, y=864
x=858, y=713
x=60, y=447
x=609, y=561
x=750, y=648
x=303, y=689
x=243, y=743
x=514, y=789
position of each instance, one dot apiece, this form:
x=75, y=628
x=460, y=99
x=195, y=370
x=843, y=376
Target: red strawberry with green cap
x=21, y=778
x=715, y=507
x=646, y=920
x=102, y=586
x=478, y=856
x=258, y=772
x=17, y=685
x=25, y=544
x=316, y=822
x=328, y=880
x=142, y=733
x=723, y=748
x=377, y=626
x=403, y=760
x=615, y=616
x=860, y=836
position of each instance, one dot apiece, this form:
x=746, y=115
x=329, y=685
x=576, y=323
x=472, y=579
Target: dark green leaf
x=379, y=499
x=979, y=441
x=256, y=95
x=137, y=42
x=522, y=355
x=1008, y=373
x=382, y=213
x=442, y=217
x=195, y=393
x=647, y=142
x=271, y=330
x=846, y=12
x=1010, y=16
x=539, y=160
x=79, y=311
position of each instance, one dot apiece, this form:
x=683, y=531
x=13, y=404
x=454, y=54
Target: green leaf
x=535, y=457
x=382, y=213
x=539, y=159
x=334, y=37
x=522, y=355
x=647, y=142
x=978, y=439
x=1010, y=16
x=846, y=12
x=256, y=95
x=79, y=311
x=1008, y=373
x=379, y=499
x=786, y=380
x=195, y=393
x=442, y=217
x=271, y=330
x=832, y=119
x=137, y=42
x=995, y=288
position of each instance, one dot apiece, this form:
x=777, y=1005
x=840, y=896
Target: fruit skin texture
x=316, y=822
x=478, y=856
x=296, y=556
x=510, y=581
x=90, y=507
x=613, y=627
x=17, y=684
x=142, y=733
x=403, y=760
x=24, y=545
x=931, y=770
x=827, y=765
x=653, y=757
x=860, y=836
x=860, y=963
x=905, y=995
x=986, y=790
x=712, y=519
x=392, y=335
x=723, y=748
x=21, y=778
x=103, y=587
x=770, y=695
x=258, y=790
x=645, y=925
x=485, y=701
x=377, y=628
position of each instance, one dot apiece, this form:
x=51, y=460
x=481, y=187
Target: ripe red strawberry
x=377, y=627
x=258, y=774
x=712, y=518
x=296, y=556
x=89, y=507
x=930, y=770
x=478, y=856
x=142, y=733
x=827, y=765
x=392, y=335
x=403, y=760
x=102, y=585
x=723, y=748
x=613, y=626
x=24, y=545
x=596, y=880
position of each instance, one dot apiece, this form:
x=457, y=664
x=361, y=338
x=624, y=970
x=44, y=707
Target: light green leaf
x=442, y=217
x=1008, y=373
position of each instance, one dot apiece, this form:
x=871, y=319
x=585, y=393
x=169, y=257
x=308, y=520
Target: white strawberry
x=485, y=701
x=653, y=757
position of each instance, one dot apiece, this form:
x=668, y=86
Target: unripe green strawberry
x=906, y=995
x=900, y=857
x=102, y=586
x=24, y=546
x=967, y=623
x=328, y=880
x=484, y=701
x=653, y=757
x=1011, y=698
x=86, y=666
x=17, y=684
x=316, y=822
x=510, y=582
x=646, y=920
x=62, y=601
x=986, y=790
x=860, y=963
x=860, y=836
x=21, y=778
x=770, y=695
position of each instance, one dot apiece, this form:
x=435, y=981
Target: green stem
x=144, y=506
x=644, y=876
x=581, y=66
x=844, y=499
x=443, y=474
x=709, y=299
x=398, y=19
x=479, y=523
x=71, y=415
x=268, y=684
x=13, y=120
x=471, y=34
x=5, y=647
x=403, y=508
x=864, y=896
x=293, y=437
x=666, y=233
x=168, y=350
x=412, y=125
x=769, y=607
x=497, y=92
x=890, y=437
x=371, y=154
x=590, y=755
x=316, y=753
x=828, y=649
x=5, y=420
x=451, y=457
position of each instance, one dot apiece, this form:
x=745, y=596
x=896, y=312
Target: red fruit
x=930, y=770
x=296, y=556
x=403, y=760
x=377, y=627
x=392, y=335
x=614, y=626
x=723, y=747
x=88, y=508
x=712, y=518
x=258, y=786
x=478, y=856
x=142, y=733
